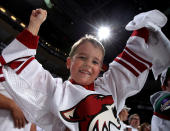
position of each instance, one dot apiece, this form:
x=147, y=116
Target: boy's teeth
x=85, y=72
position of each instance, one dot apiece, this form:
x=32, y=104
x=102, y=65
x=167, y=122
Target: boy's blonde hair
x=87, y=38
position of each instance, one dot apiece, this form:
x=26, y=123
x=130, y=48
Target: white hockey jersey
x=53, y=104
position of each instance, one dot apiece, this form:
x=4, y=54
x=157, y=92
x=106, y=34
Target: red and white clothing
x=53, y=104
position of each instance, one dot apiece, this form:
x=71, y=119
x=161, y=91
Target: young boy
x=161, y=105
x=84, y=102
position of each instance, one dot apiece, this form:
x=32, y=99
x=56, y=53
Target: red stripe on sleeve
x=143, y=32
x=28, y=39
x=161, y=116
x=15, y=64
x=2, y=61
x=25, y=64
x=2, y=79
x=127, y=67
x=138, y=65
x=1, y=70
x=138, y=57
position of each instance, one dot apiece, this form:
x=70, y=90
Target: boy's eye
x=95, y=62
x=82, y=57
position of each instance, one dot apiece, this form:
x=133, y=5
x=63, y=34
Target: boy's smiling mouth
x=85, y=72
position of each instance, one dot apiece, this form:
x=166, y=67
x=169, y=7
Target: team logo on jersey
x=94, y=112
x=165, y=104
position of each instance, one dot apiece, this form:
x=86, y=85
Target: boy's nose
x=87, y=63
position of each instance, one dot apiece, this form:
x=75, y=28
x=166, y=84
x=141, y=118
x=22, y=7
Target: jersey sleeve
x=19, y=53
x=158, y=44
x=128, y=72
x=28, y=83
x=147, y=48
x=24, y=45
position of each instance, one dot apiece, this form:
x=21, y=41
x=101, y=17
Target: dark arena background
x=68, y=20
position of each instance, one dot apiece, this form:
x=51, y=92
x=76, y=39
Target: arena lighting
x=23, y=25
x=2, y=10
x=13, y=18
x=103, y=33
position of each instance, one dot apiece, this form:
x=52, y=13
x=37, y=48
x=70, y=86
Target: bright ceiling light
x=2, y=10
x=23, y=25
x=103, y=33
x=13, y=18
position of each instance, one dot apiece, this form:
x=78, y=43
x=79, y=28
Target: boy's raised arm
x=37, y=17
x=147, y=48
x=158, y=45
x=26, y=42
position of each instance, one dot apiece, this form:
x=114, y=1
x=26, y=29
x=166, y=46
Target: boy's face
x=86, y=64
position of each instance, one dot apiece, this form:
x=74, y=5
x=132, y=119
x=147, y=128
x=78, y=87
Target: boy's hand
x=37, y=17
x=18, y=117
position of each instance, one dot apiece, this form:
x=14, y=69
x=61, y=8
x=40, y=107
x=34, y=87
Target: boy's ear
x=104, y=68
x=68, y=62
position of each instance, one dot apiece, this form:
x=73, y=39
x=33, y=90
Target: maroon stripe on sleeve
x=127, y=67
x=1, y=70
x=138, y=57
x=2, y=61
x=28, y=39
x=143, y=32
x=25, y=64
x=138, y=65
x=161, y=116
x=2, y=79
x=15, y=64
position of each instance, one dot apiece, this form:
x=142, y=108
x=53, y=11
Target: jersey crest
x=163, y=105
x=94, y=112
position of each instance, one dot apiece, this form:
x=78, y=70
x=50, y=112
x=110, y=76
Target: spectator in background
x=134, y=121
x=161, y=105
x=123, y=115
x=145, y=127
